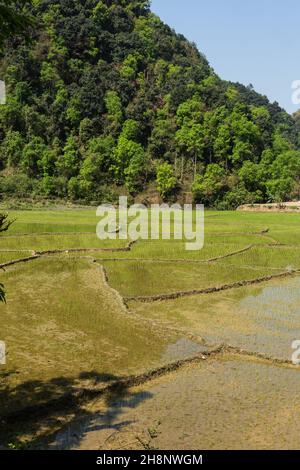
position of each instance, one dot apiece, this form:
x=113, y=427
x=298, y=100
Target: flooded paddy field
x=99, y=356
x=263, y=319
x=228, y=402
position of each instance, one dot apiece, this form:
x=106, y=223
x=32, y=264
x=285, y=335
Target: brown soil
x=272, y=207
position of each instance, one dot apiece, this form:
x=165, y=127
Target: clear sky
x=253, y=41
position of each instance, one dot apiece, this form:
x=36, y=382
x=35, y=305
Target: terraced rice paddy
x=112, y=344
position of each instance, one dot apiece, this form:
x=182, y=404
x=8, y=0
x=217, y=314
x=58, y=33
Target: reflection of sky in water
x=277, y=304
x=182, y=349
x=276, y=312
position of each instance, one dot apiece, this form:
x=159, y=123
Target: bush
x=165, y=179
x=237, y=197
x=18, y=185
x=280, y=190
x=209, y=189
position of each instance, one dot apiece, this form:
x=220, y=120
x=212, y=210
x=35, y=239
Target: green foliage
x=114, y=110
x=165, y=180
x=279, y=190
x=104, y=92
x=73, y=188
x=239, y=196
x=68, y=163
x=130, y=66
x=31, y=155
x=96, y=166
x=128, y=154
x=135, y=172
x=12, y=148
x=286, y=165
x=130, y=130
x=207, y=189
x=19, y=185
x=161, y=144
x=252, y=176
x=14, y=18
x=280, y=144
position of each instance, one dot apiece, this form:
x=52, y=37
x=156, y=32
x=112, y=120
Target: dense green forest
x=104, y=98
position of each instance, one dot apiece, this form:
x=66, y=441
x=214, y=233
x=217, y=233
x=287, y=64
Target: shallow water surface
x=183, y=349
x=224, y=403
x=260, y=319
x=276, y=310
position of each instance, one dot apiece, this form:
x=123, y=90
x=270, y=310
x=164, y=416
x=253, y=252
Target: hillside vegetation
x=106, y=98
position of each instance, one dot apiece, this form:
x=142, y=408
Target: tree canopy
x=14, y=18
x=106, y=97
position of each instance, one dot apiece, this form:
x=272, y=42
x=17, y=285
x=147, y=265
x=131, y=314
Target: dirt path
x=210, y=290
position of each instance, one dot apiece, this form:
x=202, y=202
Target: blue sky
x=254, y=41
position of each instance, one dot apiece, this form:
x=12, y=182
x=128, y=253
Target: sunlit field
x=83, y=313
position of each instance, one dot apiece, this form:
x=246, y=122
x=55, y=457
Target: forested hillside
x=105, y=98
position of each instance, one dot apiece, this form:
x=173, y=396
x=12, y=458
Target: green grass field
x=66, y=326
